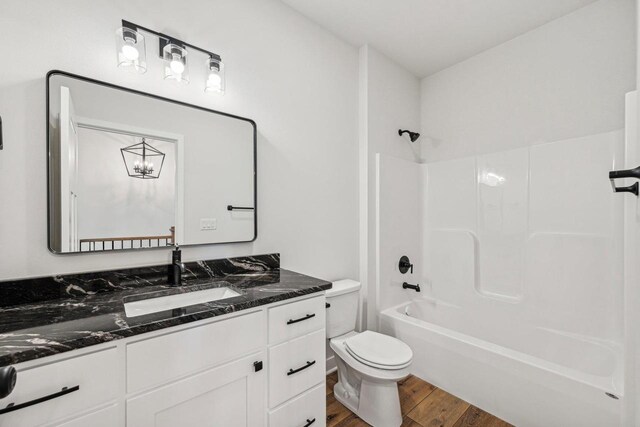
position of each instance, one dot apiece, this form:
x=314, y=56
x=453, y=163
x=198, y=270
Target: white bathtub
x=526, y=375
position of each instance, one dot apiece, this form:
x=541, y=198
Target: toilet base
x=376, y=402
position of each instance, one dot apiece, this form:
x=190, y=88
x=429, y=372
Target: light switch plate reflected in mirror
x=208, y=224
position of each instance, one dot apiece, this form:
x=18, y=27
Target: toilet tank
x=342, y=311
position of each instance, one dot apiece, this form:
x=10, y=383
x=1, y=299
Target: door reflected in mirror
x=129, y=170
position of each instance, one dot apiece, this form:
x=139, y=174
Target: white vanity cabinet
x=237, y=370
x=297, y=359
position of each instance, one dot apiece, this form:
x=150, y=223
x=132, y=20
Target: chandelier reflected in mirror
x=141, y=160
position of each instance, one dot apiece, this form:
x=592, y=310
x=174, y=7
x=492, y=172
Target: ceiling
x=426, y=36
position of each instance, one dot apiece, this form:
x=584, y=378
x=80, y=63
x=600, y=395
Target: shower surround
x=519, y=255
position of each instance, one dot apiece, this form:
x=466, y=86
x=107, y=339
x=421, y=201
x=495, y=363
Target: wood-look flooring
x=422, y=405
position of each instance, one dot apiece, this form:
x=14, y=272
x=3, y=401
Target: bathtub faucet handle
x=415, y=287
x=405, y=264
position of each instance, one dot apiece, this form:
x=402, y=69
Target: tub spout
x=406, y=285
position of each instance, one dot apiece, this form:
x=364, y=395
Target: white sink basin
x=169, y=302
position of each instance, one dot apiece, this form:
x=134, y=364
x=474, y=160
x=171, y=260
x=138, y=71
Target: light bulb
x=130, y=52
x=177, y=67
x=214, y=80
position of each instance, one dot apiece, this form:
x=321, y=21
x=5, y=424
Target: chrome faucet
x=176, y=268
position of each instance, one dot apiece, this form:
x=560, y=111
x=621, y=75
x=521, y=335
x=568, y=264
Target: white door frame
x=68, y=172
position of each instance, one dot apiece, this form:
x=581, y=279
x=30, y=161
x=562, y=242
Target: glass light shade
x=215, y=76
x=131, y=51
x=175, y=63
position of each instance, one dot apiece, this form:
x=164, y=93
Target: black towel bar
x=627, y=173
x=630, y=189
x=238, y=208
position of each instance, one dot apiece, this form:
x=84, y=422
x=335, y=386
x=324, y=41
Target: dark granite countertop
x=42, y=317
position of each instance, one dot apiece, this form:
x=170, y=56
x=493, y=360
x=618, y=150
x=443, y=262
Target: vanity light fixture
x=215, y=76
x=130, y=44
x=130, y=48
x=139, y=160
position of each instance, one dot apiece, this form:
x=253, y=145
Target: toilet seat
x=375, y=374
x=379, y=351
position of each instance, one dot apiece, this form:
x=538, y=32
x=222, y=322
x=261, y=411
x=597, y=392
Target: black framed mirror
x=129, y=170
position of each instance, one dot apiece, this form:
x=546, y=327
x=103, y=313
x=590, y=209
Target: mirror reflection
x=133, y=171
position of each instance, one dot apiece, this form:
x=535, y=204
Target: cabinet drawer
x=96, y=375
x=306, y=410
x=296, y=366
x=296, y=319
x=158, y=360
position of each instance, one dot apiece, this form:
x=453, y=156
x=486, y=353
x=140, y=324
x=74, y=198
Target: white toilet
x=369, y=364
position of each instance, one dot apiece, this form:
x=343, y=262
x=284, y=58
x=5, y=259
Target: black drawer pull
x=327, y=305
x=13, y=407
x=309, y=422
x=295, y=371
x=308, y=316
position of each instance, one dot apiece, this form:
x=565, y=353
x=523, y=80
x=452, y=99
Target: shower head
x=413, y=136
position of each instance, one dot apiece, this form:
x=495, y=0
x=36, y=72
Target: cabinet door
x=229, y=395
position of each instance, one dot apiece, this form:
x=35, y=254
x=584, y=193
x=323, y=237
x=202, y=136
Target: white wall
x=390, y=100
x=298, y=82
x=563, y=80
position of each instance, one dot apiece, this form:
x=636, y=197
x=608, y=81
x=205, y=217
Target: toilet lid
x=379, y=351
